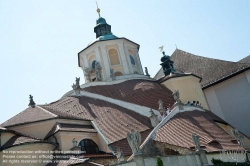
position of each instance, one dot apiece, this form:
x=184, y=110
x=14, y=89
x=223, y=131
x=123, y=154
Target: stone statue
x=119, y=155
x=176, y=96
x=98, y=71
x=112, y=75
x=74, y=86
x=134, y=140
x=167, y=64
x=78, y=82
x=238, y=136
x=32, y=103
x=146, y=71
x=87, y=73
x=74, y=141
x=160, y=105
x=196, y=140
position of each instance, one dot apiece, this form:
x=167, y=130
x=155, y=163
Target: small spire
x=98, y=10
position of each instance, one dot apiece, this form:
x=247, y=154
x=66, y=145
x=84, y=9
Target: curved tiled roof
x=29, y=115
x=138, y=91
x=179, y=129
x=210, y=70
x=112, y=120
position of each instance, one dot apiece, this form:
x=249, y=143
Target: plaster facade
x=115, y=54
x=189, y=88
x=230, y=101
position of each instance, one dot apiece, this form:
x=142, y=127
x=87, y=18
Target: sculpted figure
x=119, y=155
x=77, y=82
x=74, y=141
x=196, y=140
x=238, y=136
x=146, y=71
x=134, y=140
x=112, y=75
x=98, y=71
x=160, y=105
x=87, y=73
x=176, y=96
x=32, y=103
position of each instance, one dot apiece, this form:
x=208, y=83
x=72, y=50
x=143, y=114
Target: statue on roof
x=87, y=74
x=196, y=140
x=146, y=71
x=32, y=103
x=77, y=82
x=167, y=64
x=112, y=75
x=134, y=140
x=238, y=136
x=176, y=96
x=98, y=71
x=119, y=155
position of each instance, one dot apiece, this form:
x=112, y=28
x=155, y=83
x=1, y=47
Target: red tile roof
x=124, y=146
x=29, y=115
x=209, y=69
x=112, y=120
x=138, y=91
x=179, y=129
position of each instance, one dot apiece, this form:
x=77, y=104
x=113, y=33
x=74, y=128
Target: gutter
x=105, y=140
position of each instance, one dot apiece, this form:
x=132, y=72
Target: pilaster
x=106, y=63
x=98, y=58
x=138, y=60
x=123, y=58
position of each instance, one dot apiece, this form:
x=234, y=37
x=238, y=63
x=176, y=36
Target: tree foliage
x=159, y=162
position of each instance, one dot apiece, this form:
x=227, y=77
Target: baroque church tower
x=109, y=57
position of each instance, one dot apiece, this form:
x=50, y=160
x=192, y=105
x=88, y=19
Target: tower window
x=132, y=60
x=88, y=146
x=118, y=73
x=113, y=57
x=93, y=64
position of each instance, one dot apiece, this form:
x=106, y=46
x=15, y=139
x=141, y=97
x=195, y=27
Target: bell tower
x=109, y=57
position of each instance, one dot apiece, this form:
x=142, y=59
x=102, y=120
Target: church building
x=91, y=124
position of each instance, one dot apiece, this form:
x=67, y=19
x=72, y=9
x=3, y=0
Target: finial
x=176, y=46
x=98, y=10
x=161, y=48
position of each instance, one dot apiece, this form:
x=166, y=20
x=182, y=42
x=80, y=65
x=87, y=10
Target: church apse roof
x=178, y=131
x=141, y=92
x=210, y=70
x=113, y=121
x=29, y=115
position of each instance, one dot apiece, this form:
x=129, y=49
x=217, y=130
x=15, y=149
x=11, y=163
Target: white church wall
x=232, y=96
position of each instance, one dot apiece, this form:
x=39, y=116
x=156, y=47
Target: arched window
x=118, y=73
x=88, y=146
x=113, y=57
x=93, y=64
x=132, y=60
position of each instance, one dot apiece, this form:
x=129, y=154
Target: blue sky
x=39, y=40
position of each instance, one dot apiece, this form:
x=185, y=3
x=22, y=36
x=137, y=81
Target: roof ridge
x=47, y=111
x=207, y=57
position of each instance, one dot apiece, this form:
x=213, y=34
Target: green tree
x=159, y=162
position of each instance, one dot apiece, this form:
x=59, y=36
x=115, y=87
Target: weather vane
x=161, y=48
x=98, y=10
